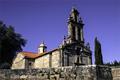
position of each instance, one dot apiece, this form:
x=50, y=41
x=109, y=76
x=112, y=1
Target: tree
x=113, y=63
x=10, y=43
x=98, y=53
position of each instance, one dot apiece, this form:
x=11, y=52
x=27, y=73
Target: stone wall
x=116, y=73
x=19, y=62
x=49, y=60
x=42, y=62
x=55, y=59
x=61, y=73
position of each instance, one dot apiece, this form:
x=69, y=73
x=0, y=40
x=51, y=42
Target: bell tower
x=75, y=27
x=74, y=50
x=42, y=48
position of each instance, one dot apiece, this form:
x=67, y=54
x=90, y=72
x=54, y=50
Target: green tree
x=10, y=43
x=98, y=53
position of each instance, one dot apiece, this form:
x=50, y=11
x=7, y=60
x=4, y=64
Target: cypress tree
x=98, y=53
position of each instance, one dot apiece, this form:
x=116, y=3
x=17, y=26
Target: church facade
x=72, y=52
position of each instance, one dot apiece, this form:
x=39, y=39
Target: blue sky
x=46, y=20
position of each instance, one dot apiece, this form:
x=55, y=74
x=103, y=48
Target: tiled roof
x=35, y=55
x=30, y=54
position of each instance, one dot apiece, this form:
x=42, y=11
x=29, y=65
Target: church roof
x=35, y=55
x=30, y=54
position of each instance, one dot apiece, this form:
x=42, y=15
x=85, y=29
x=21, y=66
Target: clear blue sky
x=39, y=20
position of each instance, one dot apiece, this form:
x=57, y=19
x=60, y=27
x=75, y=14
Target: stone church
x=72, y=52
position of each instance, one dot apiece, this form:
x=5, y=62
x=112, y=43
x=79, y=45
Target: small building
x=72, y=52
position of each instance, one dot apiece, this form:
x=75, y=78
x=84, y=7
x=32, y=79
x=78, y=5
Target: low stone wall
x=61, y=73
x=116, y=73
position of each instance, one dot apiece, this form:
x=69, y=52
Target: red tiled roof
x=30, y=54
x=35, y=55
